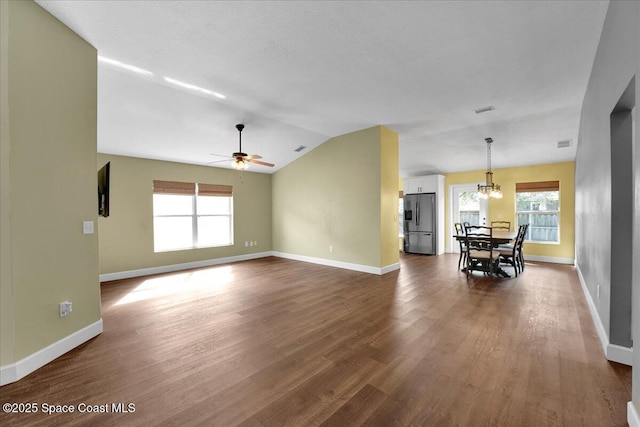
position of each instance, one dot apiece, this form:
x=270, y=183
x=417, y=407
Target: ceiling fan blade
x=220, y=155
x=258, y=162
x=253, y=156
x=218, y=161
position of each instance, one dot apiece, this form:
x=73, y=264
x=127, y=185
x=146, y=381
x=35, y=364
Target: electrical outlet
x=330, y=248
x=255, y=243
x=246, y=244
x=65, y=308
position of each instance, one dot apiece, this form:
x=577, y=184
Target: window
x=538, y=204
x=469, y=207
x=188, y=215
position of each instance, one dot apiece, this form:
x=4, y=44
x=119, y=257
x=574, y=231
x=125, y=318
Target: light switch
x=87, y=227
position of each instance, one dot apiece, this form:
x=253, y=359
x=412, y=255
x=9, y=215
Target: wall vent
x=484, y=109
x=564, y=144
x=299, y=149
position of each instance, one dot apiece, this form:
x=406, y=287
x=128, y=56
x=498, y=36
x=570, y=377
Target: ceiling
x=299, y=73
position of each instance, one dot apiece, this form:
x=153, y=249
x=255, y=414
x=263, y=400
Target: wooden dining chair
x=460, y=231
x=521, y=245
x=501, y=225
x=481, y=255
x=511, y=254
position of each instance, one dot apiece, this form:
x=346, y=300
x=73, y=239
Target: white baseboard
x=620, y=354
x=339, y=264
x=595, y=317
x=178, y=267
x=613, y=352
x=16, y=371
x=632, y=415
x=551, y=259
x=390, y=268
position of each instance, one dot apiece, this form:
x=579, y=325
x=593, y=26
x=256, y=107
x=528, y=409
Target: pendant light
x=489, y=189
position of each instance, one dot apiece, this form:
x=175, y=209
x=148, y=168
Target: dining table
x=499, y=237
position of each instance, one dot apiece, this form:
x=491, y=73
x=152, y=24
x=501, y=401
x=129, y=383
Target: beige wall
x=331, y=198
x=7, y=338
x=48, y=181
x=504, y=209
x=126, y=236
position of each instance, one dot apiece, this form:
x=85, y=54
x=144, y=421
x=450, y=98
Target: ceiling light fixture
x=239, y=164
x=124, y=66
x=489, y=189
x=194, y=87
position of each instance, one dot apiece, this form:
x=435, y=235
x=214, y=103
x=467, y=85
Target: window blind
x=528, y=187
x=215, y=190
x=173, y=187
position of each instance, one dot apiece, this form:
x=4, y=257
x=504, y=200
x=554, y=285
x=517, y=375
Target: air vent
x=564, y=144
x=484, y=110
x=299, y=149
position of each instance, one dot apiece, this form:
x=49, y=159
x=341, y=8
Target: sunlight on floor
x=207, y=280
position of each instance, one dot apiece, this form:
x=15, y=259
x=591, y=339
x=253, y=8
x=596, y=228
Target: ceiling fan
x=240, y=160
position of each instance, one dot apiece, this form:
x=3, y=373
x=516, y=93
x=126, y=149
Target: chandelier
x=489, y=189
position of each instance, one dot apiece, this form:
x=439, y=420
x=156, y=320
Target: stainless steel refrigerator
x=420, y=223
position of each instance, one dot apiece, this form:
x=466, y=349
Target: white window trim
x=194, y=225
x=529, y=212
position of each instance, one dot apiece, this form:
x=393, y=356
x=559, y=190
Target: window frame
x=539, y=187
x=194, y=215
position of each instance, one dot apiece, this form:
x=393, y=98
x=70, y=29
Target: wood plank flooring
x=275, y=342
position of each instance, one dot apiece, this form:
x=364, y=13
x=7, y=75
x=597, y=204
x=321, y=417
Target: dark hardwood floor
x=278, y=342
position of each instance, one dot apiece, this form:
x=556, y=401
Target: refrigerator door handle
x=418, y=213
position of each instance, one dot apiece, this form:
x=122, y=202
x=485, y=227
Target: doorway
x=466, y=206
x=622, y=224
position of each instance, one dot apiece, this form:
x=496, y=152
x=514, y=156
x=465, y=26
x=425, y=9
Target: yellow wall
x=504, y=209
x=49, y=101
x=389, y=196
x=331, y=199
x=126, y=236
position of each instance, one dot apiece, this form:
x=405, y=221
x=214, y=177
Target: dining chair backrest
x=522, y=233
x=459, y=229
x=501, y=225
x=481, y=253
x=478, y=236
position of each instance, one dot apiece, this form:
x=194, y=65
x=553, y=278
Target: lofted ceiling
x=299, y=73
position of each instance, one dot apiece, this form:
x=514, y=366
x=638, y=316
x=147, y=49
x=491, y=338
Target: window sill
x=542, y=243
x=191, y=248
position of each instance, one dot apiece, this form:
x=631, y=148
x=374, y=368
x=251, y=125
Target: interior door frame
x=453, y=190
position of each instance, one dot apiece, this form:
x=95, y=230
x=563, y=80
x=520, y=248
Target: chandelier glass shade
x=489, y=189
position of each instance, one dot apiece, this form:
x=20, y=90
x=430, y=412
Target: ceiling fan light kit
x=239, y=164
x=240, y=160
x=489, y=189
